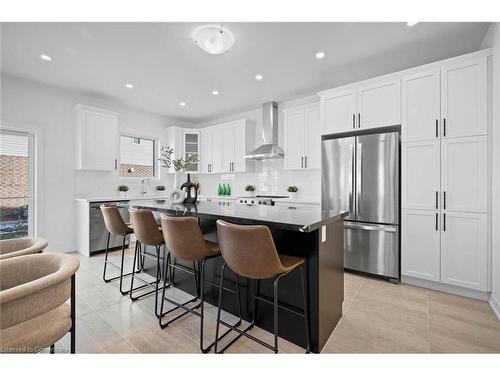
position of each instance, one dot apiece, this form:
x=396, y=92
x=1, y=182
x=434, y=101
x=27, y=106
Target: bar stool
x=115, y=225
x=249, y=251
x=147, y=233
x=185, y=241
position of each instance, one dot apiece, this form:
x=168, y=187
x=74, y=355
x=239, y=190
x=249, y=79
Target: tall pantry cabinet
x=445, y=174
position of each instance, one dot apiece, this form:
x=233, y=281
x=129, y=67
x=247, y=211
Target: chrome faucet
x=143, y=187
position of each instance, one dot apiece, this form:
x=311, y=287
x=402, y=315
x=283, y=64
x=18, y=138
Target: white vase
x=292, y=194
x=123, y=194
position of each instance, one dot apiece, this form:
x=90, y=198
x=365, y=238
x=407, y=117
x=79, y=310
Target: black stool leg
x=73, y=315
x=52, y=349
x=276, y=313
x=106, y=260
x=219, y=303
x=306, y=306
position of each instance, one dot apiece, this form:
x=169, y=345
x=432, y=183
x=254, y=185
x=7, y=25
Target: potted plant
x=292, y=191
x=160, y=189
x=180, y=165
x=250, y=189
x=123, y=190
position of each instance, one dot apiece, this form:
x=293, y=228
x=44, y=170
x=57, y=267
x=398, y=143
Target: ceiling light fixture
x=45, y=57
x=213, y=39
x=215, y=92
x=129, y=86
x=410, y=24
x=320, y=55
x=182, y=104
x=258, y=77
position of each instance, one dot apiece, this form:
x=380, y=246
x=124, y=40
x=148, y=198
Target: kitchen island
x=306, y=232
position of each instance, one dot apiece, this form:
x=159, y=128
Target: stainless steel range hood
x=270, y=148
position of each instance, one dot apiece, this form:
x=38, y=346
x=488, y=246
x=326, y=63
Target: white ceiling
x=166, y=67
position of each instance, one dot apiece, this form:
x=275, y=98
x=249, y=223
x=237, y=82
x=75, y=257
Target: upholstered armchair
x=33, y=309
x=21, y=246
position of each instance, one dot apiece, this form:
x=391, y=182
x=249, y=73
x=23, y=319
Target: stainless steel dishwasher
x=98, y=231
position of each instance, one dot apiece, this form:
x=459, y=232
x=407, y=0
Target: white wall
x=269, y=177
x=48, y=110
x=492, y=40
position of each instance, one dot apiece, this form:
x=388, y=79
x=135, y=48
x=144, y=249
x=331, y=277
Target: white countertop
x=121, y=198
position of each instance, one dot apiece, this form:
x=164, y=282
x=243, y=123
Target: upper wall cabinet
x=238, y=140
x=421, y=106
x=302, y=137
x=338, y=111
x=191, y=146
x=96, y=142
x=379, y=104
x=365, y=106
x=224, y=146
x=464, y=98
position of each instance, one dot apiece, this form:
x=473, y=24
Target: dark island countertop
x=303, y=219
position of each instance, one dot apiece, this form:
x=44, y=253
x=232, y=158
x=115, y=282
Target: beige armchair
x=33, y=292
x=21, y=246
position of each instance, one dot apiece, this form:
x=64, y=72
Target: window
x=137, y=157
x=16, y=187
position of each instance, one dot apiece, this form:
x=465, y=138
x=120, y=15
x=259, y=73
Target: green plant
x=292, y=189
x=160, y=187
x=250, y=188
x=167, y=160
x=122, y=188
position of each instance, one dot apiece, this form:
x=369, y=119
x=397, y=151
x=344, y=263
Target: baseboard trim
x=464, y=292
x=495, y=305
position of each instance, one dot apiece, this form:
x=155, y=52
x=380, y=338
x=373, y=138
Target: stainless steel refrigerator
x=361, y=174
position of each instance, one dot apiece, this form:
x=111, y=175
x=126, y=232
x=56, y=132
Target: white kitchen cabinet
x=421, y=175
x=236, y=139
x=464, y=98
x=211, y=150
x=379, y=104
x=302, y=137
x=294, y=126
x=375, y=104
x=421, y=110
x=225, y=145
x=420, y=255
x=464, y=250
x=338, y=112
x=191, y=146
x=97, y=137
x=464, y=178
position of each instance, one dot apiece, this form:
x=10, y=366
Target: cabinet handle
x=116, y=164
x=444, y=200
x=444, y=222
x=305, y=163
x=353, y=121
x=359, y=119
x=437, y=222
x=444, y=127
x=437, y=194
x=301, y=162
x=437, y=134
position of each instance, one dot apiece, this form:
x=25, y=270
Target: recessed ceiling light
x=45, y=57
x=213, y=39
x=215, y=92
x=258, y=77
x=129, y=86
x=320, y=55
x=182, y=104
x=410, y=24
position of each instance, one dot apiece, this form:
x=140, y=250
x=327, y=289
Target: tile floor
x=379, y=317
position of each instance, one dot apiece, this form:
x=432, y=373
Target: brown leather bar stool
x=147, y=234
x=249, y=251
x=116, y=226
x=185, y=241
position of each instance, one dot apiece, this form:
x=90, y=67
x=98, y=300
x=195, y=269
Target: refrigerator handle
x=353, y=182
x=371, y=227
x=359, y=160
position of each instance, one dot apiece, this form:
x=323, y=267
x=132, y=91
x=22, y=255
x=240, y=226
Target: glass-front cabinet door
x=191, y=140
